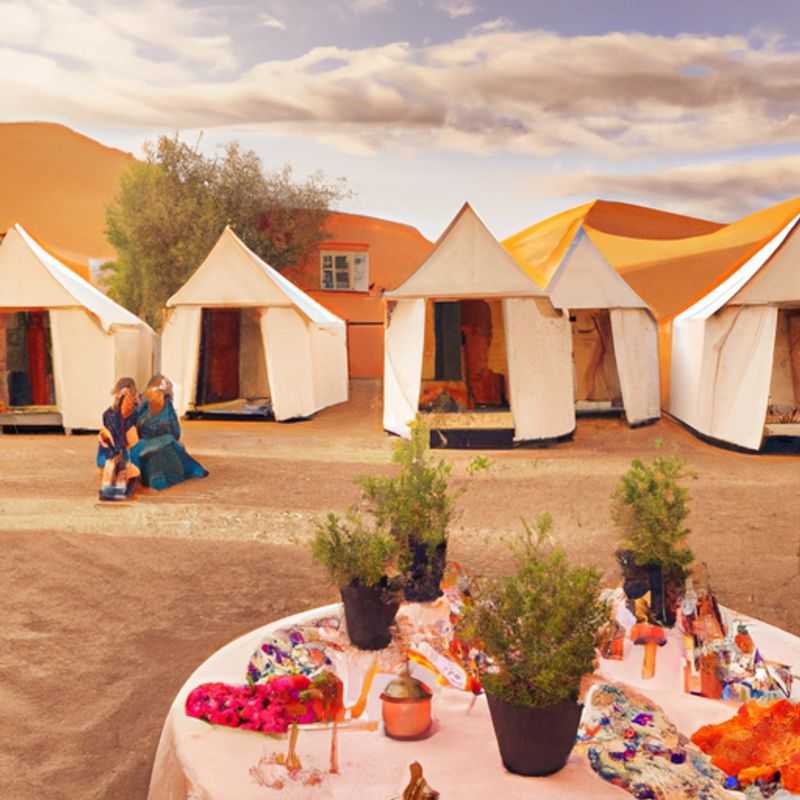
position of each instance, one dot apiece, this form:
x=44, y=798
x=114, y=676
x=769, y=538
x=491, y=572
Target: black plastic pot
x=649, y=577
x=424, y=577
x=369, y=612
x=534, y=741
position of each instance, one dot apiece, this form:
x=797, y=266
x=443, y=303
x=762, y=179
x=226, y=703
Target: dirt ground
x=107, y=609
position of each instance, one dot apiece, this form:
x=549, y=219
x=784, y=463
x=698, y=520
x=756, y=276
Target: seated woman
x=159, y=455
x=117, y=435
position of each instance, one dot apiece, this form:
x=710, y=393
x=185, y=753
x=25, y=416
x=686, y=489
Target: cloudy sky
x=522, y=107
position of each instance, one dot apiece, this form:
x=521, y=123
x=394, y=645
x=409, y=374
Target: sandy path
x=107, y=610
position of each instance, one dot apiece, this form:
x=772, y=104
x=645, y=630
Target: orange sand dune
x=670, y=260
x=57, y=184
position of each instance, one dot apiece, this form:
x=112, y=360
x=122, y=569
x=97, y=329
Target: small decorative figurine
x=418, y=788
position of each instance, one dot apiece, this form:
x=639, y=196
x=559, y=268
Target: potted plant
x=539, y=629
x=416, y=506
x=650, y=506
x=357, y=558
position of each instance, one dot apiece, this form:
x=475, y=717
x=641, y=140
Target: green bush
x=650, y=506
x=352, y=552
x=539, y=626
x=416, y=505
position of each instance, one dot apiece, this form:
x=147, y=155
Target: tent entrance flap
x=597, y=383
x=232, y=367
x=784, y=390
x=465, y=363
x=26, y=360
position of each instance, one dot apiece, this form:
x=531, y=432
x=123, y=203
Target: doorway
x=26, y=360
x=232, y=371
x=596, y=377
x=468, y=359
x=784, y=390
x=218, y=380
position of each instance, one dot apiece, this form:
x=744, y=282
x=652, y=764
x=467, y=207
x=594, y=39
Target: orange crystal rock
x=760, y=741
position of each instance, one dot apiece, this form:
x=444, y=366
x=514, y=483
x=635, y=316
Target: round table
x=197, y=761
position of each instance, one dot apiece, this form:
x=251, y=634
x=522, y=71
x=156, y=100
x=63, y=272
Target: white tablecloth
x=197, y=761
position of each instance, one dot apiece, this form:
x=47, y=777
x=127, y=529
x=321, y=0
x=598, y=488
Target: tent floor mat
x=597, y=408
x=238, y=409
x=31, y=417
x=478, y=419
x=488, y=439
x=472, y=438
x=781, y=438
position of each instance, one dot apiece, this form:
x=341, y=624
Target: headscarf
x=162, y=384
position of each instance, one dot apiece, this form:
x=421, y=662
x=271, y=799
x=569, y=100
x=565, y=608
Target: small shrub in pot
x=650, y=507
x=539, y=628
x=416, y=506
x=358, y=558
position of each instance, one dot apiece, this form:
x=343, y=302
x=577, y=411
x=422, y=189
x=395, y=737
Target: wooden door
x=37, y=358
x=219, y=362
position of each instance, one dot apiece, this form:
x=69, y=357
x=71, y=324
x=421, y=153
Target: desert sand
x=107, y=609
x=57, y=184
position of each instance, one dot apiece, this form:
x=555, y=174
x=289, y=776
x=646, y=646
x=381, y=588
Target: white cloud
x=112, y=39
x=719, y=190
x=533, y=92
x=20, y=24
x=499, y=24
x=369, y=5
x=457, y=8
x=268, y=21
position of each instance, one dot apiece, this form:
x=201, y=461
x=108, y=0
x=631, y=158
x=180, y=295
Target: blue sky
x=522, y=108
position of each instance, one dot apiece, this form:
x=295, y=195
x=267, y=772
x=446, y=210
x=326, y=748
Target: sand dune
x=57, y=184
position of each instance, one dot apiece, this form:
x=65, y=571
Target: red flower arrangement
x=269, y=707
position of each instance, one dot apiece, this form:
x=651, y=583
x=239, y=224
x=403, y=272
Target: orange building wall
x=395, y=252
x=365, y=350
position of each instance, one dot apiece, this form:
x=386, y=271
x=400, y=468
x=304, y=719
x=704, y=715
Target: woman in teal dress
x=159, y=454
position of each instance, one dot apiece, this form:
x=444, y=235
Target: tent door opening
x=26, y=360
x=783, y=410
x=464, y=362
x=232, y=376
x=597, y=384
x=219, y=356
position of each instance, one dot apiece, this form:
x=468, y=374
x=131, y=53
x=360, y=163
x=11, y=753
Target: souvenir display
x=630, y=742
x=722, y=661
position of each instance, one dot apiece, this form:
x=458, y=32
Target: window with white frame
x=344, y=271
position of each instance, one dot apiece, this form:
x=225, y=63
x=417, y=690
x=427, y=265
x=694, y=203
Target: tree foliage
x=172, y=207
x=539, y=626
x=651, y=506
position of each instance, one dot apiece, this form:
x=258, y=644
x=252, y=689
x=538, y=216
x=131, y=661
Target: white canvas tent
x=94, y=340
x=291, y=349
x=737, y=350
x=591, y=291
x=468, y=263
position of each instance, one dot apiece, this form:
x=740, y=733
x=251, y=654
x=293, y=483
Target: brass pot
x=406, y=708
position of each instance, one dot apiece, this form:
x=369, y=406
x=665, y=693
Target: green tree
x=172, y=207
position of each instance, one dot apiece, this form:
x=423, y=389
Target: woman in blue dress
x=159, y=454
x=117, y=435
